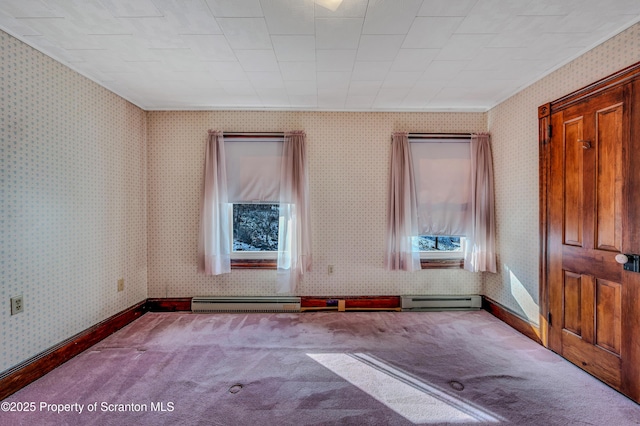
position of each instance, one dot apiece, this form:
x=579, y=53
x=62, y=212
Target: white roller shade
x=443, y=186
x=253, y=170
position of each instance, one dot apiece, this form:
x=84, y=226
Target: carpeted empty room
x=376, y=368
x=319, y=212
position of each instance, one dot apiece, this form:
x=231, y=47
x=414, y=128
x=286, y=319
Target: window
x=442, y=170
x=253, y=179
x=440, y=246
x=254, y=230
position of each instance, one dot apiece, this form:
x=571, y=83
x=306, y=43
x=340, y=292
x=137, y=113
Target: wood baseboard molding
x=169, y=304
x=35, y=367
x=507, y=316
x=350, y=303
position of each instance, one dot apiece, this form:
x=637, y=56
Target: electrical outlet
x=17, y=305
x=121, y=284
x=330, y=269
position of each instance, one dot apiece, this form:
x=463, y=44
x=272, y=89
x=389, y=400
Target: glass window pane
x=255, y=227
x=439, y=243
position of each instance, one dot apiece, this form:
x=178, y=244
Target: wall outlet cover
x=17, y=305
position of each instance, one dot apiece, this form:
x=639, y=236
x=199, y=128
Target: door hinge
x=549, y=318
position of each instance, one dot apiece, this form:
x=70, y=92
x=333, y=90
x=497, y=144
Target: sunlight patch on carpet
x=414, y=400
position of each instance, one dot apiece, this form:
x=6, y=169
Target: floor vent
x=441, y=303
x=202, y=304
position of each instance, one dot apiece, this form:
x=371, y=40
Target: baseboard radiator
x=441, y=303
x=203, y=304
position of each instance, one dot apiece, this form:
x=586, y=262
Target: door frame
x=620, y=78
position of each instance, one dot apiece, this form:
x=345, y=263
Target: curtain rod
x=253, y=135
x=439, y=137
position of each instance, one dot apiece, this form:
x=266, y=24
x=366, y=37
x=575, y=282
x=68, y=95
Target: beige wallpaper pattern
x=514, y=128
x=72, y=202
x=348, y=162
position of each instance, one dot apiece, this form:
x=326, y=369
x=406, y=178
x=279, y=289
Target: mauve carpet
x=368, y=368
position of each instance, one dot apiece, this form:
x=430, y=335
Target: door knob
x=629, y=262
x=622, y=258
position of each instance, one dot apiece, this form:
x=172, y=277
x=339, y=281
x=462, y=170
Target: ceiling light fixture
x=332, y=5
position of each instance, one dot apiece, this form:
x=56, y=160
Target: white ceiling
x=368, y=55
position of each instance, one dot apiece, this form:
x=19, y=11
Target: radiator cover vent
x=202, y=304
x=441, y=303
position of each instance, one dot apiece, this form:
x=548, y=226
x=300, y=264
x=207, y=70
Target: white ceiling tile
x=429, y=33
x=294, y=48
x=332, y=98
x=289, y=17
x=420, y=97
x=15, y=26
x=401, y=80
x=461, y=47
x=30, y=9
x=257, y=60
x=385, y=17
x=390, y=97
x=301, y=88
x=91, y=17
x=210, y=47
x=189, y=16
x=552, y=7
x=347, y=9
x=414, y=59
x=275, y=98
x=246, y=33
x=364, y=88
x=181, y=60
x=266, y=80
x=491, y=16
x=105, y=61
x=335, y=60
x=338, y=33
x=131, y=8
x=298, y=71
x=196, y=80
x=371, y=71
x=235, y=8
x=379, y=47
x=155, y=31
x=443, y=70
x=238, y=87
x=358, y=102
x=333, y=80
x=66, y=36
x=446, y=7
x=532, y=26
x=226, y=70
x=303, y=101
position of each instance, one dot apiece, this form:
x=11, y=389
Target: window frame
x=251, y=259
x=442, y=259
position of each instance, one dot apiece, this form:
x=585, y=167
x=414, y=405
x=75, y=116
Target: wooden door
x=593, y=323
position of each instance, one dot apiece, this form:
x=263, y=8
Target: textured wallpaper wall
x=514, y=128
x=72, y=202
x=348, y=161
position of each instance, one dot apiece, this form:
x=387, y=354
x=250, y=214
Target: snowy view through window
x=439, y=243
x=255, y=227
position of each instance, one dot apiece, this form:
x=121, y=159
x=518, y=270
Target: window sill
x=442, y=263
x=254, y=264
